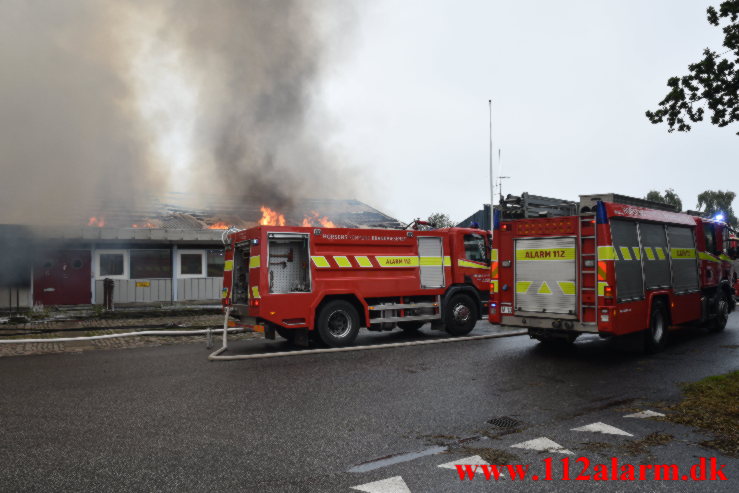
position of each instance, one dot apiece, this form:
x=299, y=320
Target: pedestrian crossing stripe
x=603, y=428
x=543, y=444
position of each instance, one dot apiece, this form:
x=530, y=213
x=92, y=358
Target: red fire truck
x=327, y=282
x=617, y=267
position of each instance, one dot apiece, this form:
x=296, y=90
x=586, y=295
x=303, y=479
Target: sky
x=385, y=101
x=570, y=81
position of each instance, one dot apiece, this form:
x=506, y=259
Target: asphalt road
x=165, y=418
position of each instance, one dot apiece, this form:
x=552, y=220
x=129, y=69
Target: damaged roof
x=171, y=216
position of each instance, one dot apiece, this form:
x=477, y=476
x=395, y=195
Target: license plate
x=506, y=310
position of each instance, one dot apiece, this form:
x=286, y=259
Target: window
x=191, y=263
x=474, y=248
x=112, y=264
x=215, y=263
x=151, y=264
x=710, y=239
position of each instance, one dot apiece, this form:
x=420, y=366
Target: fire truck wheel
x=722, y=315
x=411, y=326
x=338, y=323
x=461, y=315
x=656, y=335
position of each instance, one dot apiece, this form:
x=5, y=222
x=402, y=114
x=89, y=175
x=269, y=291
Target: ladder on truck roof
x=531, y=206
x=588, y=267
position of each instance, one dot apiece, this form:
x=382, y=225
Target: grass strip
x=712, y=404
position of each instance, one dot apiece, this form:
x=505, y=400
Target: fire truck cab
x=328, y=282
x=617, y=267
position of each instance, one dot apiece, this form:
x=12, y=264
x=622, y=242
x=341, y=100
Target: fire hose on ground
x=217, y=354
x=207, y=332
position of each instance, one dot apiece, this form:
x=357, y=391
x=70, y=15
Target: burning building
x=219, y=102
x=164, y=253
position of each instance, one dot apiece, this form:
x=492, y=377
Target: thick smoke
x=69, y=138
x=73, y=136
x=258, y=64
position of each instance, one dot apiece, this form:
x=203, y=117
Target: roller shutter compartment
x=654, y=253
x=431, y=261
x=683, y=259
x=545, y=275
x=629, y=280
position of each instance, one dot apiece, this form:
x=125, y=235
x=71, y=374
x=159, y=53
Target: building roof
x=171, y=219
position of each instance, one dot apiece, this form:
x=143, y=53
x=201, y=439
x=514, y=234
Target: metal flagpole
x=492, y=183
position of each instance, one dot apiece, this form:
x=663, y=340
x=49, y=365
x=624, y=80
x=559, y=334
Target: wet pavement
x=165, y=418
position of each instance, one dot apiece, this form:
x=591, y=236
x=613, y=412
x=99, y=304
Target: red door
x=62, y=277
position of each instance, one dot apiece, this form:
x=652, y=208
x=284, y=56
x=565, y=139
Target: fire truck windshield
x=474, y=248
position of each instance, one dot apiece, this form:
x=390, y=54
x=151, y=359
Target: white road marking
x=543, y=444
x=473, y=460
x=389, y=485
x=645, y=414
x=396, y=459
x=603, y=428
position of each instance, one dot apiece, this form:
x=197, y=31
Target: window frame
x=112, y=251
x=203, y=264
x=130, y=259
x=484, y=251
x=207, y=250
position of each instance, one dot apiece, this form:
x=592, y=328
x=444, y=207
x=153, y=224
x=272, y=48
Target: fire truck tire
x=718, y=323
x=411, y=326
x=338, y=323
x=655, y=336
x=460, y=315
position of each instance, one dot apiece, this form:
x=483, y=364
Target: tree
x=718, y=201
x=669, y=198
x=712, y=83
x=439, y=220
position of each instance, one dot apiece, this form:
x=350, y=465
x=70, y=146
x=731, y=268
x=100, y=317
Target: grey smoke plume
x=259, y=63
x=68, y=136
x=72, y=134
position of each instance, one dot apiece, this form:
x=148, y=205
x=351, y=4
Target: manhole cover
x=505, y=422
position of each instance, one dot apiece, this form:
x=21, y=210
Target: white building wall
x=160, y=290
x=201, y=288
x=136, y=290
x=13, y=297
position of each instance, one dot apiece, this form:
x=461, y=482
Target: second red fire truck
x=618, y=266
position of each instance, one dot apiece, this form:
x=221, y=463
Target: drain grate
x=505, y=422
